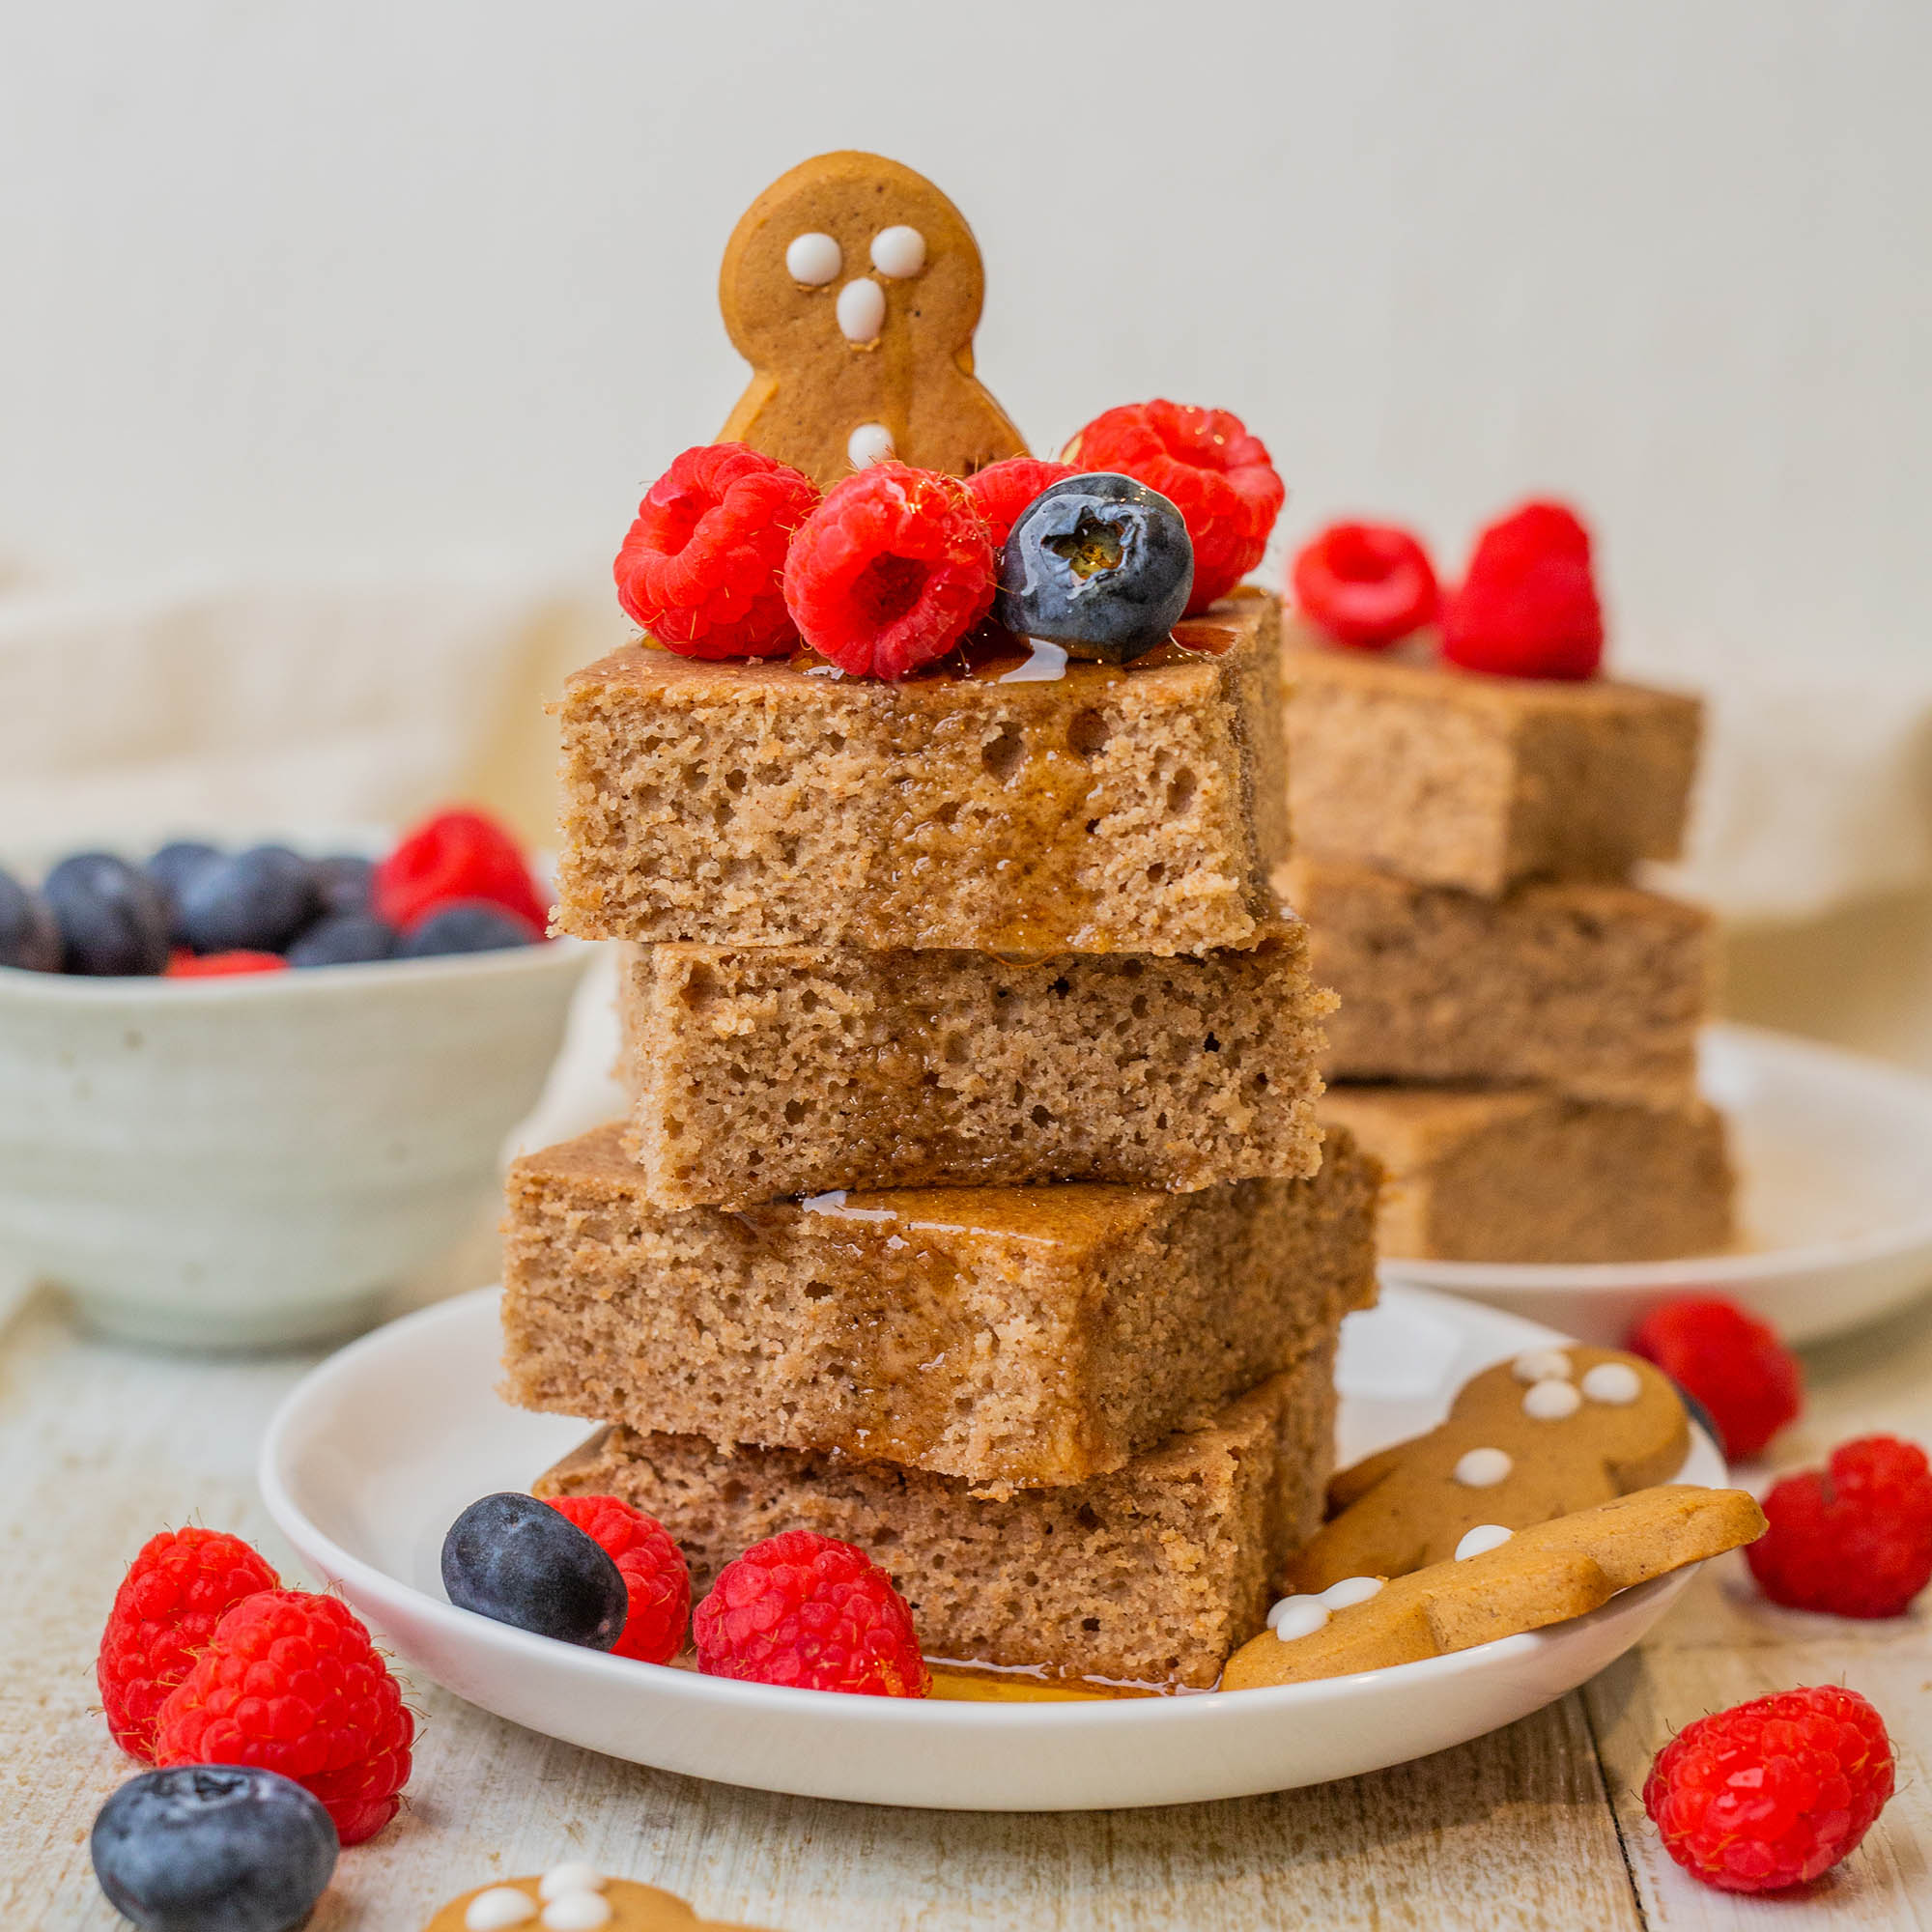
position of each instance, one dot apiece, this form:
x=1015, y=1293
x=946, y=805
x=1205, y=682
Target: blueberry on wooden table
x=517, y=1561
x=29, y=938
x=113, y=920
x=1100, y=565
x=252, y=901
x=213, y=1848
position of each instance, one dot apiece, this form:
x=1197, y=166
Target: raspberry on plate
x=1527, y=604
x=1772, y=1793
x=806, y=1610
x=656, y=1578
x=185, y=965
x=702, y=567
x=1853, y=1537
x=179, y=1586
x=1002, y=489
x=291, y=1681
x=1749, y=1383
x=890, y=571
x=455, y=855
x=1208, y=465
x=1366, y=584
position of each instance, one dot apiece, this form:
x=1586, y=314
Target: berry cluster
x=206, y=1660
x=799, y=1608
x=456, y=883
x=734, y=553
x=1526, y=605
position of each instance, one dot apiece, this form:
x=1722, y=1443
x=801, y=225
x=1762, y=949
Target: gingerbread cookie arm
x=1543, y=1575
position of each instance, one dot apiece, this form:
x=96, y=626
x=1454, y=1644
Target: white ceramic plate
x=373, y=1455
x=1833, y=1154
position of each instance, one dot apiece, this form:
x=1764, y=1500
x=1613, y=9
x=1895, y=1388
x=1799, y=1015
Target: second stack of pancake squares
x=1464, y=846
x=1003, y=955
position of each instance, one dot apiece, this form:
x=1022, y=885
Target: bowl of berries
x=244, y=1092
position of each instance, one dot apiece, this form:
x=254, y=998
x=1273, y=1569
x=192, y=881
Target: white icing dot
x=1484, y=1468
x=861, y=310
x=1298, y=1616
x=1551, y=1401
x=576, y=1912
x=501, y=1906
x=1614, y=1383
x=1352, y=1590
x=571, y=1876
x=813, y=260
x=1543, y=1365
x=1480, y=1540
x=898, y=252
x=868, y=444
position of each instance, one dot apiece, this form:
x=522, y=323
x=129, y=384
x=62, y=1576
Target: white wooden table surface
x=1538, y=1827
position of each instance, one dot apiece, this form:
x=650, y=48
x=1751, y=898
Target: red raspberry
x=653, y=1570
x=702, y=567
x=1853, y=1537
x=890, y=571
x=175, y=1591
x=455, y=855
x=806, y=1610
x=1747, y=1380
x=1774, y=1792
x=291, y=1681
x=1001, y=491
x=1527, y=604
x=1208, y=465
x=222, y=965
x=1368, y=584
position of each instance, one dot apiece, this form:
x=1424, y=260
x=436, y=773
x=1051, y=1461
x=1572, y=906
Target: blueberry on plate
x=252, y=901
x=213, y=1848
x=344, y=939
x=346, y=881
x=518, y=1561
x=113, y=920
x=464, y=926
x=1100, y=565
x=29, y=938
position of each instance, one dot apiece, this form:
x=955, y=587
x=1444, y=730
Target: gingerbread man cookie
x=1497, y=1583
x=852, y=286
x=1554, y=1430
x=572, y=1897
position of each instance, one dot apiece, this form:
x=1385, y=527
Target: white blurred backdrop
x=345, y=304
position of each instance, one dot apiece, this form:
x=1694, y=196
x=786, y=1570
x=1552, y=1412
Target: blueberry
x=113, y=920
x=29, y=938
x=346, y=881
x=344, y=939
x=464, y=925
x=253, y=902
x=1100, y=565
x=516, y=1559
x=213, y=1848
x=171, y=868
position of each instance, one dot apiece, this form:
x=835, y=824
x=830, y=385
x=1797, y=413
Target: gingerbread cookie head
x=572, y=1897
x=853, y=286
x=1549, y=1432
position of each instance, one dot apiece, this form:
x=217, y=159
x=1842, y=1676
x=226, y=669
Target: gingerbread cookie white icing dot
x=853, y=286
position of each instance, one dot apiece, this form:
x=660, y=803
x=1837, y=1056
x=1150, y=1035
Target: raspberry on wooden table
x=1853, y=1539
x=702, y=565
x=177, y=1589
x=453, y=856
x=1527, y=604
x=1366, y=584
x=890, y=571
x=291, y=1681
x=657, y=1580
x=806, y=1610
x=1772, y=1793
x=1002, y=489
x=1208, y=465
x=1749, y=1383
